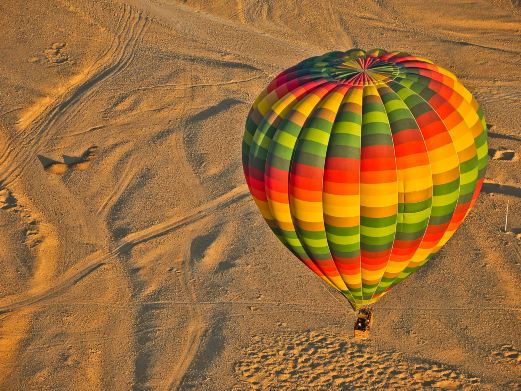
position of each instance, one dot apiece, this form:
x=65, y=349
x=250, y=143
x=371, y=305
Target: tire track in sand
x=95, y=261
x=124, y=181
x=194, y=329
x=42, y=121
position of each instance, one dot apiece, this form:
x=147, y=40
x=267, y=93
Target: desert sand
x=133, y=257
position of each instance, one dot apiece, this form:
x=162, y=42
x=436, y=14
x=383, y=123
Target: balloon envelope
x=364, y=164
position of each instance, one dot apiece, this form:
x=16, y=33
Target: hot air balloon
x=364, y=164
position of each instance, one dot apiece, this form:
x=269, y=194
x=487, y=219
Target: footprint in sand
x=57, y=53
x=7, y=199
x=503, y=154
x=9, y=202
x=81, y=163
x=507, y=354
x=324, y=360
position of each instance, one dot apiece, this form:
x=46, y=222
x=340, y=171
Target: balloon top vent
x=356, y=67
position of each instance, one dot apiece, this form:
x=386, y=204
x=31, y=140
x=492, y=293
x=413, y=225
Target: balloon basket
x=363, y=323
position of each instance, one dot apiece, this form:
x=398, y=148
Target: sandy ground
x=144, y=263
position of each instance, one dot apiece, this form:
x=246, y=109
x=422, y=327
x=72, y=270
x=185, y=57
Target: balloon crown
x=354, y=67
